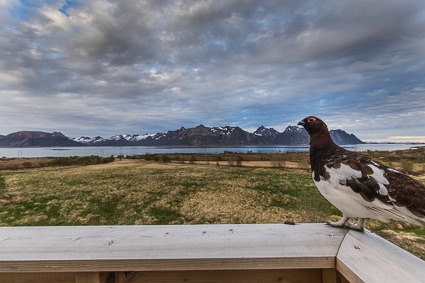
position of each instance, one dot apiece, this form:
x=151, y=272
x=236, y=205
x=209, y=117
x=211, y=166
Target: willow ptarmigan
x=358, y=186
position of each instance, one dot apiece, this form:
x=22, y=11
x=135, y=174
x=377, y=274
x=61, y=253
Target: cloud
x=103, y=67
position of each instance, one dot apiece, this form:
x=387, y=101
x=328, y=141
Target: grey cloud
x=248, y=62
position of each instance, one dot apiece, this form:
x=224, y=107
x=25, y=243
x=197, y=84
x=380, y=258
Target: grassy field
x=180, y=190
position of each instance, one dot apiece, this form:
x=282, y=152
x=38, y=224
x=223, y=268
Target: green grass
x=166, y=215
x=147, y=193
x=416, y=231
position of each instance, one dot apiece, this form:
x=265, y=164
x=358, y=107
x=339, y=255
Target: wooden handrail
x=366, y=257
x=86, y=251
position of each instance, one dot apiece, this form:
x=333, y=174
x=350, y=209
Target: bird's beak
x=301, y=123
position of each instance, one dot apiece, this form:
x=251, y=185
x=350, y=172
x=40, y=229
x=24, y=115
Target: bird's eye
x=311, y=119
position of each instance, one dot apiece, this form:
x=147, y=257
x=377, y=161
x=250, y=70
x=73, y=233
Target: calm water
x=137, y=150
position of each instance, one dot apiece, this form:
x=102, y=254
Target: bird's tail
x=400, y=213
x=413, y=219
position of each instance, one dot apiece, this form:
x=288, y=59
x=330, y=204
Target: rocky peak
x=263, y=131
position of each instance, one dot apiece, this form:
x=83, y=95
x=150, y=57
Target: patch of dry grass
x=409, y=241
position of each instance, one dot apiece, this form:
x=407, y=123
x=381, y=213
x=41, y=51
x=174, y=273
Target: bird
x=358, y=186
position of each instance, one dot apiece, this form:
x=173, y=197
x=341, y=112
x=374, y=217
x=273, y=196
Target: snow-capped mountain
x=197, y=136
x=293, y=135
x=265, y=132
x=84, y=139
x=217, y=136
x=123, y=139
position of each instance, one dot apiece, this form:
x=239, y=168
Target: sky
x=107, y=67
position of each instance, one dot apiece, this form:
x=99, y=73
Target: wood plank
x=168, y=247
x=235, y=276
x=87, y=277
x=37, y=277
x=329, y=275
x=342, y=279
x=169, y=264
x=366, y=257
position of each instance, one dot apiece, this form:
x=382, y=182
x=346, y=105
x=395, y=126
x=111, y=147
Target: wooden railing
x=202, y=253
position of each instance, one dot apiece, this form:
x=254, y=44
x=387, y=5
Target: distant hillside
x=36, y=139
x=341, y=137
x=198, y=136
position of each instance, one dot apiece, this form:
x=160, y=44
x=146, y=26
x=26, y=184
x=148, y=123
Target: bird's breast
x=336, y=190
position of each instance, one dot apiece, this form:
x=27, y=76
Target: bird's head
x=313, y=125
x=320, y=137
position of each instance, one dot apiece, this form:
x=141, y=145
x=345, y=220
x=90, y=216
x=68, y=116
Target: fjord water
x=106, y=151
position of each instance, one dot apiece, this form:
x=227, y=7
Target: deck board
x=366, y=257
x=301, y=252
x=165, y=247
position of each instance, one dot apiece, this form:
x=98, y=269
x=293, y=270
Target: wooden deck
x=202, y=253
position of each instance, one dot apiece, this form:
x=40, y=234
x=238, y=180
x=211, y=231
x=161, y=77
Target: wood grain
x=37, y=277
x=366, y=257
x=87, y=277
x=329, y=275
x=226, y=276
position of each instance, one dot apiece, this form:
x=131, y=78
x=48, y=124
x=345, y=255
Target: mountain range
x=198, y=136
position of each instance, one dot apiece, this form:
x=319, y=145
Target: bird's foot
x=342, y=223
x=339, y=224
x=359, y=226
x=356, y=227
